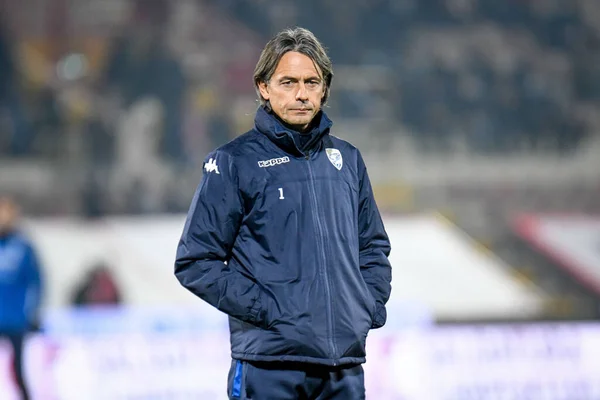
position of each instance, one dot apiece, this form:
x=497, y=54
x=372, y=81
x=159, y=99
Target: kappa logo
x=335, y=157
x=273, y=161
x=211, y=166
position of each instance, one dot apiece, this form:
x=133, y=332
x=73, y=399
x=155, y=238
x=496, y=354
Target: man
x=284, y=236
x=20, y=287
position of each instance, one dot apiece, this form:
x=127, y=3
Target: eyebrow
x=292, y=78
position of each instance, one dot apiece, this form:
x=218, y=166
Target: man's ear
x=325, y=96
x=264, y=90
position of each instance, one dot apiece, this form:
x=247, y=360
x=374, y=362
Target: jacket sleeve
x=374, y=247
x=210, y=230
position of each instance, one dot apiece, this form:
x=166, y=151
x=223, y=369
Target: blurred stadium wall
x=479, y=122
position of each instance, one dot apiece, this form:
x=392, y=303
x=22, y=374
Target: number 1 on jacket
x=281, y=194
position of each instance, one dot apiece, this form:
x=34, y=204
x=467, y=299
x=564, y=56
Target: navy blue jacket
x=20, y=284
x=290, y=245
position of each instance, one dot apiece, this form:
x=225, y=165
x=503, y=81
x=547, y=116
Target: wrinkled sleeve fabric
x=374, y=247
x=209, y=233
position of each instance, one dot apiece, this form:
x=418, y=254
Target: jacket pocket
x=260, y=311
x=267, y=316
x=373, y=308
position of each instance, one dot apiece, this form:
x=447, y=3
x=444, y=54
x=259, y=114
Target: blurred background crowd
x=480, y=110
x=105, y=99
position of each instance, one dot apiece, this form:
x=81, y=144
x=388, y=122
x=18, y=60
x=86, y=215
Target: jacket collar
x=8, y=235
x=266, y=123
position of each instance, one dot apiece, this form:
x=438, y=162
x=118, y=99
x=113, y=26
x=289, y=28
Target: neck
x=5, y=232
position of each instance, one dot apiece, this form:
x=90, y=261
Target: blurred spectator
x=140, y=65
x=20, y=286
x=98, y=287
x=17, y=135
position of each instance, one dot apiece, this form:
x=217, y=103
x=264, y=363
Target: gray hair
x=299, y=40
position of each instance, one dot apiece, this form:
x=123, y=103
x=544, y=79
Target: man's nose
x=301, y=94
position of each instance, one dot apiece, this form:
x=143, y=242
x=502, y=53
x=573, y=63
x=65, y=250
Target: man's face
x=8, y=214
x=295, y=90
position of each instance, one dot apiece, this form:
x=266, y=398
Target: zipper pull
x=306, y=156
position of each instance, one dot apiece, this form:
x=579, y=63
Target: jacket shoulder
x=343, y=144
x=239, y=145
x=20, y=238
x=347, y=148
x=350, y=151
x=21, y=241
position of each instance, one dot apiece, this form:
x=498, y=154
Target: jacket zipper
x=317, y=221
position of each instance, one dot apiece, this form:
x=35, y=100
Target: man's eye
x=286, y=83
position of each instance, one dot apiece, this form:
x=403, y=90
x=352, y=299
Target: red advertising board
x=570, y=240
